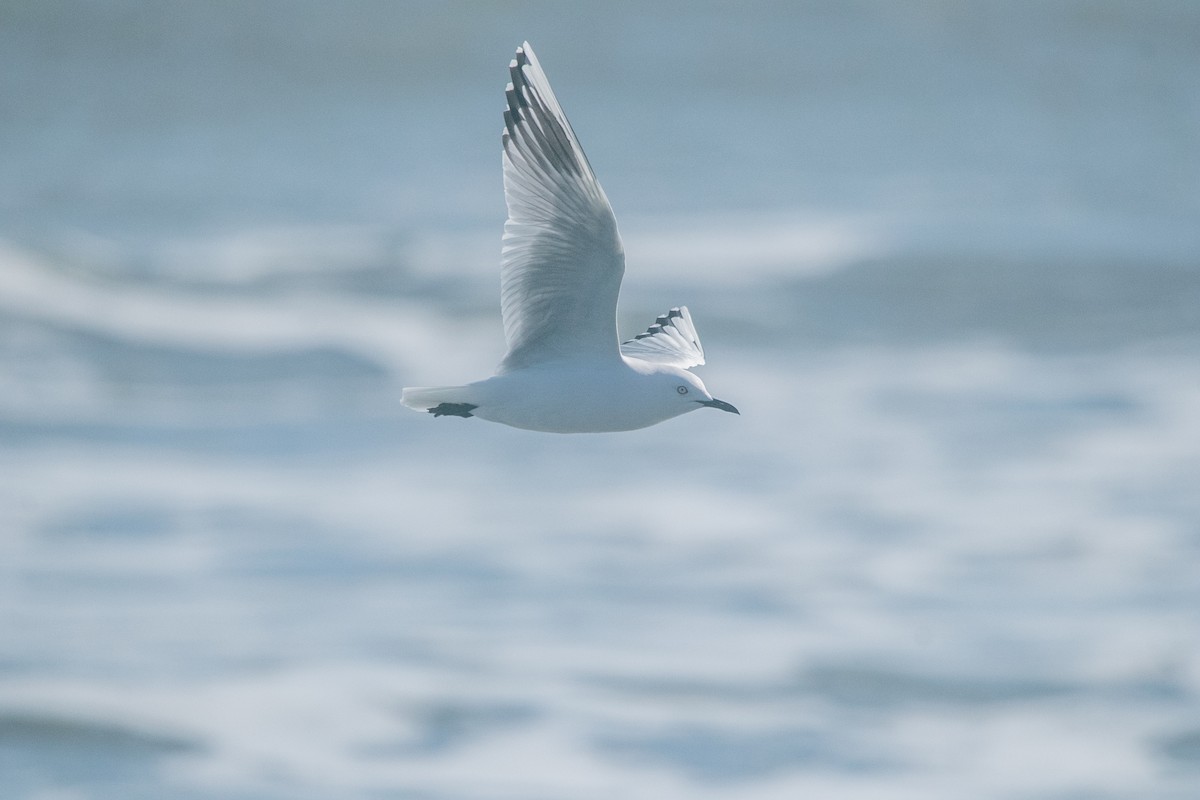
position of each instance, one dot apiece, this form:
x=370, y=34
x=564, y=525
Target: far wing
x=672, y=339
x=562, y=258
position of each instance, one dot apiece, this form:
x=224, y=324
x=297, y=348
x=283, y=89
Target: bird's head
x=686, y=391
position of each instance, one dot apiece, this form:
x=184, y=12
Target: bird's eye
x=681, y=389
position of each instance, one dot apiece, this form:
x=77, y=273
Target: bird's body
x=583, y=397
x=565, y=370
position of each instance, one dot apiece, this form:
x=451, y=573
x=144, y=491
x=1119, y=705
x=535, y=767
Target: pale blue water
x=943, y=256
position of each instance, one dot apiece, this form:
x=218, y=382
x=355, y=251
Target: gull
x=562, y=260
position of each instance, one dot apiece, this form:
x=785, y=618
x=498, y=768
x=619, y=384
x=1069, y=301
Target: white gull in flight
x=562, y=262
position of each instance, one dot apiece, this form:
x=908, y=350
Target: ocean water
x=943, y=256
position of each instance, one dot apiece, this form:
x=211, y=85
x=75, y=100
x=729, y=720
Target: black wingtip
x=514, y=100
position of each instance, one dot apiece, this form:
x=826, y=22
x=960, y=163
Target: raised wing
x=672, y=339
x=562, y=258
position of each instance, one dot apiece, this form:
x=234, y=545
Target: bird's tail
x=423, y=398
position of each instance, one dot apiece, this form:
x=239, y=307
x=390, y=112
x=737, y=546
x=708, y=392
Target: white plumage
x=561, y=269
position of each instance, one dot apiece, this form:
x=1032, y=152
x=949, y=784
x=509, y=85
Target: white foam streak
x=740, y=248
x=391, y=332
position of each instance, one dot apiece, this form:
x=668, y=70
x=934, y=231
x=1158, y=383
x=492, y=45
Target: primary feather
x=672, y=339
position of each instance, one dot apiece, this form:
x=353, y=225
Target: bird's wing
x=672, y=339
x=562, y=257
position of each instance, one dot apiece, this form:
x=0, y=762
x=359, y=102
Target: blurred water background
x=943, y=256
